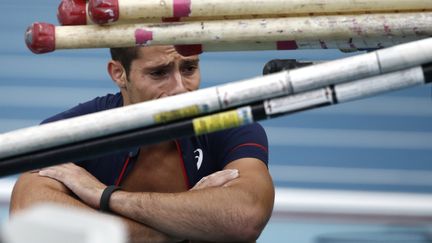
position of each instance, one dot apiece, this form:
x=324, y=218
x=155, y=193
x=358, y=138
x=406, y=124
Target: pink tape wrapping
x=72, y=12
x=40, y=37
x=182, y=8
x=142, y=36
x=171, y=19
x=286, y=45
x=103, y=11
x=189, y=50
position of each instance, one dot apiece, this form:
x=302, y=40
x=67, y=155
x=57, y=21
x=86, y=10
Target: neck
x=126, y=100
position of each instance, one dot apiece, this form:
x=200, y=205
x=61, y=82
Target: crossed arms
x=225, y=206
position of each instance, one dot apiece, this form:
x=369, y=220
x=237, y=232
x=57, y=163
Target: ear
x=117, y=73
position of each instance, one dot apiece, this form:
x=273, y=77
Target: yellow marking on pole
x=167, y=116
x=217, y=122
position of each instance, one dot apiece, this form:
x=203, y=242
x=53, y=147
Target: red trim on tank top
x=250, y=144
x=185, y=176
x=119, y=179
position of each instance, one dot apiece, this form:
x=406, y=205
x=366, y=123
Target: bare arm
x=234, y=209
x=238, y=211
x=31, y=189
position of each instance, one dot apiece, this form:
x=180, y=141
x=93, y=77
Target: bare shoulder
x=248, y=165
x=254, y=174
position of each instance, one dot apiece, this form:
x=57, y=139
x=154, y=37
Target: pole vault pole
x=75, y=12
x=348, y=45
x=214, y=99
x=113, y=10
x=43, y=37
x=243, y=115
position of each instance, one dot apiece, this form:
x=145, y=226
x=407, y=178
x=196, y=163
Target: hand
x=78, y=180
x=220, y=178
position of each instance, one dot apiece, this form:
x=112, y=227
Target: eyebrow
x=190, y=61
x=193, y=61
x=161, y=66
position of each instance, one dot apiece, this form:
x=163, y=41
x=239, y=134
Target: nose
x=177, y=85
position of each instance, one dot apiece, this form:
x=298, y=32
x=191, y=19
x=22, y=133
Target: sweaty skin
x=232, y=205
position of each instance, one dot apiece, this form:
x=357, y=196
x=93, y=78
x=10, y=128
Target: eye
x=189, y=69
x=159, y=73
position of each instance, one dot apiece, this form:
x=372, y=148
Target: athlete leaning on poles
x=214, y=187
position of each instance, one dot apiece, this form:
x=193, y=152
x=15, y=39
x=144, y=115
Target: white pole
x=216, y=98
x=348, y=45
x=345, y=92
x=379, y=206
x=242, y=115
x=112, y=10
x=42, y=37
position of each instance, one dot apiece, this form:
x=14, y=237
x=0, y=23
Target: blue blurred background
x=377, y=144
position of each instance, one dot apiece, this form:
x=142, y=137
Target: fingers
x=55, y=166
x=87, y=187
x=62, y=172
x=216, y=179
x=54, y=173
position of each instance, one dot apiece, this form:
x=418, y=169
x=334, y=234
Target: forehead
x=160, y=55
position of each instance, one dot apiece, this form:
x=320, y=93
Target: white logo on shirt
x=199, y=157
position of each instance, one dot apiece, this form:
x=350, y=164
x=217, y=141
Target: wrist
x=105, y=198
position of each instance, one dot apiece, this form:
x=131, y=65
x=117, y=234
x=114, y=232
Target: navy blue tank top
x=201, y=155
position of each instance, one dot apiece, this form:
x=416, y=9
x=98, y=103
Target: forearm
x=32, y=189
x=140, y=233
x=236, y=210
x=213, y=214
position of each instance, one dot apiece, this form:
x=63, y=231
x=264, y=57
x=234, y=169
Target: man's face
x=159, y=71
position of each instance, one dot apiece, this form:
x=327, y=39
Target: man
x=214, y=187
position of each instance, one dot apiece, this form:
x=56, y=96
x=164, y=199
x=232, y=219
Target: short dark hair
x=125, y=55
